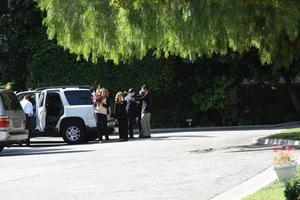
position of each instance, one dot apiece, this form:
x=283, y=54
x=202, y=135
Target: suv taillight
x=4, y=121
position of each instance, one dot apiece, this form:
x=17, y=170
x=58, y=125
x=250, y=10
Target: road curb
x=265, y=141
x=249, y=186
x=250, y=127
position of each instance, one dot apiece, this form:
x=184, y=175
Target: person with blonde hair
x=121, y=115
x=101, y=112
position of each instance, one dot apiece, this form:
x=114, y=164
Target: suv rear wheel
x=73, y=132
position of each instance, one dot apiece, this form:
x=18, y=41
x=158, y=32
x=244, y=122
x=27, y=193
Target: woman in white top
x=101, y=111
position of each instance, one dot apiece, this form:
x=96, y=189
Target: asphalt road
x=182, y=165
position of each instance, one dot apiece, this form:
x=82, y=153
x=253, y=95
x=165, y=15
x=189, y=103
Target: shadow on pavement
x=35, y=144
x=45, y=143
x=32, y=151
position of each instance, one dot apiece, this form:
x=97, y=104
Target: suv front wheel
x=73, y=132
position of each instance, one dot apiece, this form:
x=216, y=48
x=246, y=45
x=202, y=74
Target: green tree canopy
x=122, y=30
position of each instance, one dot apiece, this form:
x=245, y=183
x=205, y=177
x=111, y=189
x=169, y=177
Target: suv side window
x=10, y=101
x=82, y=97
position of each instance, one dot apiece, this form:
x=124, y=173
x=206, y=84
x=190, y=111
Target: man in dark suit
x=139, y=112
x=146, y=99
x=131, y=111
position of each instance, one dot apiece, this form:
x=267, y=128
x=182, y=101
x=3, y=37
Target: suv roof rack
x=64, y=87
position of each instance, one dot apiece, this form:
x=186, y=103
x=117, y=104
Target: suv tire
x=73, y=132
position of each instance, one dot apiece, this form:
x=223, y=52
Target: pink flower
x=284, y=156
x=288, y=148
x=96, y=97
x=278, y=148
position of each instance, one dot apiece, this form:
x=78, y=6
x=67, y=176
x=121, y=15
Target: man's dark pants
x=29, y=127
x=131, y=120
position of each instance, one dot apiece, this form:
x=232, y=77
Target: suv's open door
x=42, y=111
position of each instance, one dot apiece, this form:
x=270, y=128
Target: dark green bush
x=292, y=189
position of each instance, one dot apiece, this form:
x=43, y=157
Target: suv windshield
x=10, y=101
x=82, y=97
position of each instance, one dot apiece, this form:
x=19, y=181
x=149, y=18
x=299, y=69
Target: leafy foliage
x=127, y=29
x=18, y=23
x=51, y=65
x=137, y=32
x=292, y=189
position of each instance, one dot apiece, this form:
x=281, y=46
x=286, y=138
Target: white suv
x=66, y=111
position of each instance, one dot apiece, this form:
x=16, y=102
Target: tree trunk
x=292, y=92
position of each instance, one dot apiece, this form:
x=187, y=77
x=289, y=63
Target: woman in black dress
x=121, y=115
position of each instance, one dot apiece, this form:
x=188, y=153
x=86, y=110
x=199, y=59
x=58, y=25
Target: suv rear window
x=10, y=101
x=82, y=97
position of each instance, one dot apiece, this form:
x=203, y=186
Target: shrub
x=292, y=189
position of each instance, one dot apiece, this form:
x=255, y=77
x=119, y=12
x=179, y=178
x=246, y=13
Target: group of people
x=129, y=107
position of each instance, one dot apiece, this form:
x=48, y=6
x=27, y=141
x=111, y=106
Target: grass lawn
x=290, y=134
x=274, y=191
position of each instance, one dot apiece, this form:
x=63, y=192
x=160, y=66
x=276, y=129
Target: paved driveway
x=182, y=165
